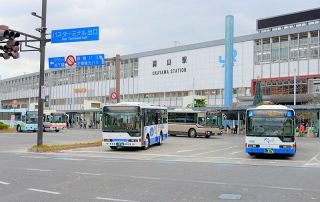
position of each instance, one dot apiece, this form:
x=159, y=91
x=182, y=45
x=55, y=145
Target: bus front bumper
x=126, y=143
x=270, y=150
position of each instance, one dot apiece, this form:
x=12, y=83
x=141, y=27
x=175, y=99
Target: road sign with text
x=90, y=60
x=75, y=35
x=57, y=62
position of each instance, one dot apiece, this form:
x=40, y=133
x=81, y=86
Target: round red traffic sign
x=70, y=60
x=114, y=95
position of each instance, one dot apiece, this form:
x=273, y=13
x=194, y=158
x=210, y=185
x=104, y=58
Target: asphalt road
x=181, y=169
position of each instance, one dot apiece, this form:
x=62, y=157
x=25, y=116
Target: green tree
x=200, y=102
x=257, y=94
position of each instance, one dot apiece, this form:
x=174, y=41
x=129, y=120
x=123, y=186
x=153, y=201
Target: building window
x=168, y=62
x=154, y=63
x=184, y=59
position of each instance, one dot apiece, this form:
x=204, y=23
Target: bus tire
x=19, y=128
x=160, y=139
x=146, y=146
x=252, y=154
x=192, y=133
x=57, y=130
x=113, y=147
x=207, y=136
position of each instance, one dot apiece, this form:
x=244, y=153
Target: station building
x=282, y=46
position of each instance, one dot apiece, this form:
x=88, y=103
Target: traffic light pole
x=43, y=41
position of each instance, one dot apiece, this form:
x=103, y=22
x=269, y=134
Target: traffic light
x=11, y=49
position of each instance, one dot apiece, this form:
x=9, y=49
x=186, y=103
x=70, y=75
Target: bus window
x=201, y=121
x=191, y=118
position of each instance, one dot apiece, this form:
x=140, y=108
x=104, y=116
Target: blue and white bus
x=270, y=129
x=20, y=119
x=134, y=125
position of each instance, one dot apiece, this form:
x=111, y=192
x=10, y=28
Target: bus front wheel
x=19, y=128
x=113, y=147
x=57, y=130
x=192, y=133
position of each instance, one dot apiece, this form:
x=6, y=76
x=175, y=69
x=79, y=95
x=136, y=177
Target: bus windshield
x=58, y=118
x=122, y=122
x=213, y=119
x=32, y=117
x=266, y=126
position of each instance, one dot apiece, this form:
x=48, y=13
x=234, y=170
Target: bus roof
x=277, y=107
x=136, y=104
x=184, y=110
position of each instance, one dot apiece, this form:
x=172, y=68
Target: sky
x=132, y=26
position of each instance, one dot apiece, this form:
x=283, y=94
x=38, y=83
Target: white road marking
x=84, y=173
x=314, y=160
x=236, y=152
x=198, y=154
x=189, y=150
x=36, y=169
x=70, y=159
x=4, y=183
x=144, y=177
x=114, y=199
x=44, y=191
x=34, y=157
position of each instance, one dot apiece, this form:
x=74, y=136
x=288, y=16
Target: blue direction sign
x=90, y=60
x=75, y=35
x=57, y=62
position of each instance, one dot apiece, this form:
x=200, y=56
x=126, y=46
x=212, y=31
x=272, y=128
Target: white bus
x=270, y=129
x=54, y=120
x=133, y=125
x=20, y=119
x=195, y=123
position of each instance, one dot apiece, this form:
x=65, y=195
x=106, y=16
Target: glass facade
x=292, y=47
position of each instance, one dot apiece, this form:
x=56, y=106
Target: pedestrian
x=84, y=123
x=235, y=130
x=302, y=129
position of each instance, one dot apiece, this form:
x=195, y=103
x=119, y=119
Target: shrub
x=3, y=126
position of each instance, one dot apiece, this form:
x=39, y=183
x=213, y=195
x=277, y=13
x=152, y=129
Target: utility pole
x=42, y=50
x=295, y=87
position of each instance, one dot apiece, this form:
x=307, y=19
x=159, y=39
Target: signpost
x=75, y=35
x=70, y=60
x=114, y=96
x=90, y=60
x=57, y=62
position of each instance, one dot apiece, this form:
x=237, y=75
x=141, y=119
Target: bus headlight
x=254, y=145
x=285, y=146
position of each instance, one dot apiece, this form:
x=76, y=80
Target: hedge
x=3, y=126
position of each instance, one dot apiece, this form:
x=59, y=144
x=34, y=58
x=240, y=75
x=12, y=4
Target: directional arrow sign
x=57, y=62
x=90, y=60
x=75, y=35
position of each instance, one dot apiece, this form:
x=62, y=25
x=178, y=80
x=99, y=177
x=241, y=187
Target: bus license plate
x=268, y=151
x=120, y=144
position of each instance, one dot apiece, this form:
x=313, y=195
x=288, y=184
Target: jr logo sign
x=222, y=59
